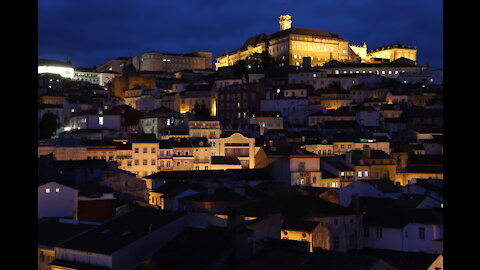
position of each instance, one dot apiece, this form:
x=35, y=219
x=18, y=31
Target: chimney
x=348, y=157
x=368, y=152
x=241, y=244
x=285, y=22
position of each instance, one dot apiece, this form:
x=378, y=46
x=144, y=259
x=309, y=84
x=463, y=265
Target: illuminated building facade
x=393, y=52
x=235, y=145
x=64, y=69
x=290, y=45
x=387, y=53
x=86, y=75
x=157, y=61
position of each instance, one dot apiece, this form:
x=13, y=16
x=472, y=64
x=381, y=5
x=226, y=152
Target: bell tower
x=285, y=22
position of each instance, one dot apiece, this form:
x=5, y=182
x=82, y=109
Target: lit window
x=100, y=120
x=57, y=190
x=359, y=173
x=366, y=173
x=47, y=190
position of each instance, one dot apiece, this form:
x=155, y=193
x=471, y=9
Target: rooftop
x=121, y=231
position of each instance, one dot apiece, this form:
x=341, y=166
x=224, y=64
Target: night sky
x=91, y=32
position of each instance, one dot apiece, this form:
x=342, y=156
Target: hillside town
x=298, y=150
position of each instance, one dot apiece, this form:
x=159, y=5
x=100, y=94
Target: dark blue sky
x=90, y=32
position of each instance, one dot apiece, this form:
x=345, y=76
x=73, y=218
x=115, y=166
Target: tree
x=48, y=125
x=241, y=68
x=335, y=85
x=201, y=112
x=261, y=61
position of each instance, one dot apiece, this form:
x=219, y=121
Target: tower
x=285, y=22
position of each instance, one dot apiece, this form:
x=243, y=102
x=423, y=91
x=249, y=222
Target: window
x=421, y=233
x=336, y=242
x=136, y=162
x=47, y=190
x=366, y=232
x=359, y=173
x=366, y=173
x=145, y=150
x=153, y=149
x=57, y=190
x=352, y=241
x=379, y=233
x=153, y=161
x=100, y=120
x=145, y=162
x=136, y=150
x=301, y=166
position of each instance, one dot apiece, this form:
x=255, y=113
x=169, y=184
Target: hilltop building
x=305, y=48
x=290, y=45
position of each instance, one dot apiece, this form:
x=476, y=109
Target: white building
x=64, y=69
x=418, y=230
x=92, y=120
x=304, y=168
x=286, y=107
x=235, y=145
x=57, y=200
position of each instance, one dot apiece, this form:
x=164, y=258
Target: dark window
x=421, y=233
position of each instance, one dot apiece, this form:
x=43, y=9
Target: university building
x=291, y=45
